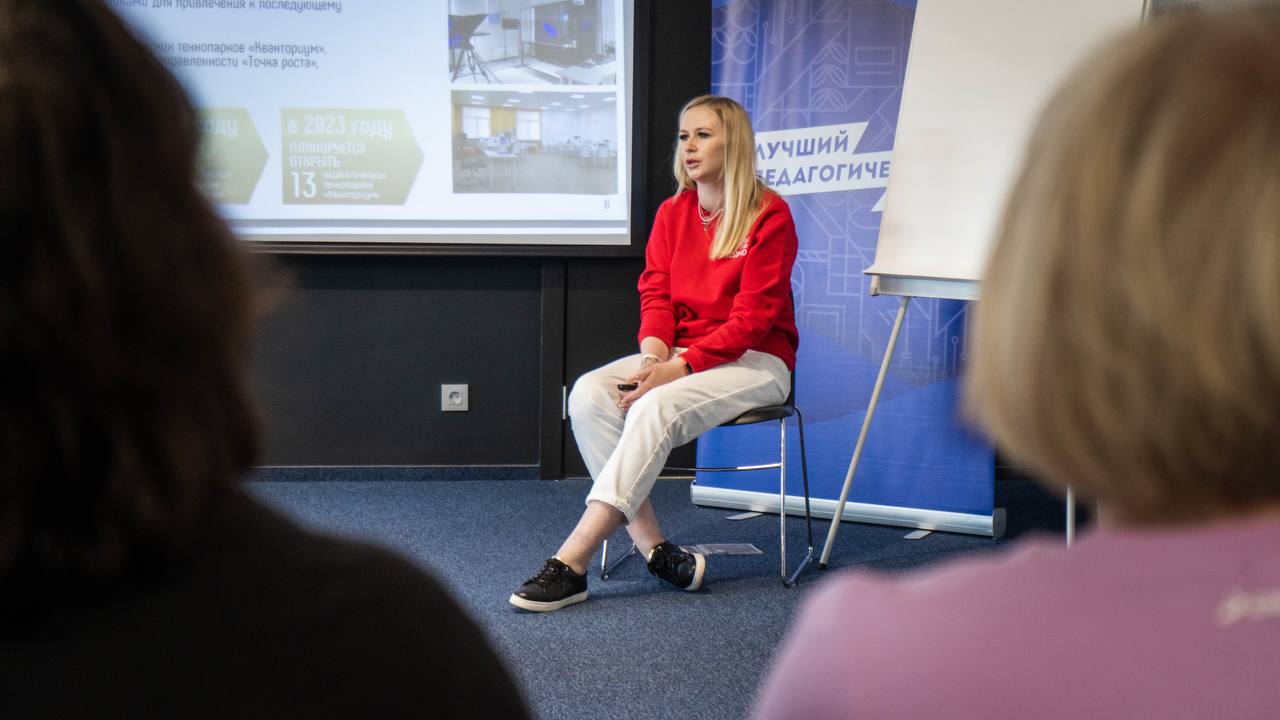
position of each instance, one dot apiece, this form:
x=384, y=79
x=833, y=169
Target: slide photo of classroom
x=522, y=42
x=506, y=141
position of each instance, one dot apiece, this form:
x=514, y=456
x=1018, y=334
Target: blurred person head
x=726, y=154
x=1127, y=342
x=124, y=321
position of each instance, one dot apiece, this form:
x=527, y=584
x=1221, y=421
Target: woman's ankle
x=646, y=549
x=578, y=567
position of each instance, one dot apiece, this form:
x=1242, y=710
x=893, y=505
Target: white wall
x=600, y=125
x=594, y=125
x=558, y=127
x=607, y=20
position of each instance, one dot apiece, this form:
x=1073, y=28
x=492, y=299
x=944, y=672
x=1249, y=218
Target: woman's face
x=701, y=146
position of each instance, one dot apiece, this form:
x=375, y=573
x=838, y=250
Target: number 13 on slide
x=347, y=156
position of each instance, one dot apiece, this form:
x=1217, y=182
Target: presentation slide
x=407, y=121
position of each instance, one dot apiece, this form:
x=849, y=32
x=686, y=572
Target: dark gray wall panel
x=350, y=365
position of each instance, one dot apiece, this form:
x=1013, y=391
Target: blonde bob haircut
x=744, y=193
x=1127, y=342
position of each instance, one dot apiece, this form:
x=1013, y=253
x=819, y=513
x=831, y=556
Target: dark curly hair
x=124, y=305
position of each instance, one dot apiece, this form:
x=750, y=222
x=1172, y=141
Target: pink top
x=1170, y=623
x=719, y=309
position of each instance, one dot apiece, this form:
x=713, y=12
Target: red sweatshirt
x=719, y=309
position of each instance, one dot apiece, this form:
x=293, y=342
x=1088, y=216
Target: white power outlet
x=454, y=398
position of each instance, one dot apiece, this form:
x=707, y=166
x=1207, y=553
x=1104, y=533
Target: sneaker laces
x=547, y=574
x=663, y=559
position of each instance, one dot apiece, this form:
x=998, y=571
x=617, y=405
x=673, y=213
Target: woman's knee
x=589, y=396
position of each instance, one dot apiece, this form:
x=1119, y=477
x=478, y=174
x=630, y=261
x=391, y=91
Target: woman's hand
x=650, y=376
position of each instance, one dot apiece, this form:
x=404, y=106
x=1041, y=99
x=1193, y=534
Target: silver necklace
x=707, y=217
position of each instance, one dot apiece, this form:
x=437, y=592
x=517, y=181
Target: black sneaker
x=680, y=568
x=555, y=586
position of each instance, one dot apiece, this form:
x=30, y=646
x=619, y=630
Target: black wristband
x=688, y=369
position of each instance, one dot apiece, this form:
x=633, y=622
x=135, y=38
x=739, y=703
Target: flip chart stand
x=862, y=434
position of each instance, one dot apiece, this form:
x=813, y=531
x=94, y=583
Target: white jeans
x=625, y=451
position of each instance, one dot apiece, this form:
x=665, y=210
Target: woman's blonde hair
x=744, y=193
x=1128, y=338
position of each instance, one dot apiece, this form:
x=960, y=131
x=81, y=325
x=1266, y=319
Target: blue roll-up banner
x=822, y=81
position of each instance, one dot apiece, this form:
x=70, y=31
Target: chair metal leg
x=808, y=516
x=1071, y=516
x=790, y=580
x=782, y=497
x=605, y=566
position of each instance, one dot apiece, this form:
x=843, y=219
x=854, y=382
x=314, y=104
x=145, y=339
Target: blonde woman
x=717, y=338
x=1127, y=345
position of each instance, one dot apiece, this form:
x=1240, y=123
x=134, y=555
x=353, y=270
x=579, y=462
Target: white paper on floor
x=725, y=549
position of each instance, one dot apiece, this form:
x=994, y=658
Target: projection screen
x=407, y=123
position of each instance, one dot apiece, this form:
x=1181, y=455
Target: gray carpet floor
x=637, y=648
